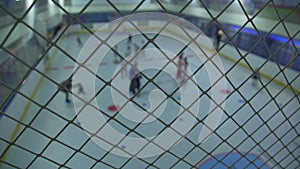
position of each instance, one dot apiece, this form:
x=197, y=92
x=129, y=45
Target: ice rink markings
x=54, y=68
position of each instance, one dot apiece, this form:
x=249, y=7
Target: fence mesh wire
x=278, y=148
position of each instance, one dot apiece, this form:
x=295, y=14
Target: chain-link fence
x=225, y=73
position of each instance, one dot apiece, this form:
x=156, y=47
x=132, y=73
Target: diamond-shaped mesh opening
x=222, y=92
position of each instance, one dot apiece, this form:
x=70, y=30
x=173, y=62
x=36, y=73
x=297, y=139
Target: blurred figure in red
x=78, y=41
x=180, y=63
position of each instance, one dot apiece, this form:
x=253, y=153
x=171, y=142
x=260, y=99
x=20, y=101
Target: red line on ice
x=69, y=67
x=225, y=91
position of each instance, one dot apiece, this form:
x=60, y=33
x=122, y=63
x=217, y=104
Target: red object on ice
x=225, y=91
x=103, y=63
x=113, y=108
